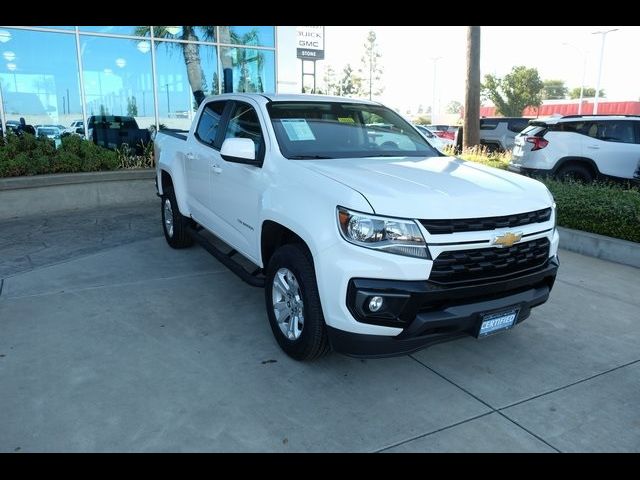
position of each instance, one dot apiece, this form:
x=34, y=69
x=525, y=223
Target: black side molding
x=255, y=278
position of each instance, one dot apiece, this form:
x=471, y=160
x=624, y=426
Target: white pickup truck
x=371, y=243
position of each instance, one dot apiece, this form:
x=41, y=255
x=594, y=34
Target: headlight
x=393, y=235
x=553, y=209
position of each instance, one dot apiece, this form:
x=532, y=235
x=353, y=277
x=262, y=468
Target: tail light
x=538, y=142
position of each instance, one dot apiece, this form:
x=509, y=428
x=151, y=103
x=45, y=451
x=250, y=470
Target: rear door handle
x=216, y=168
x=593, y=147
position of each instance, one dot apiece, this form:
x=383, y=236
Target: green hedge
x=607, y=209
x=28, y=155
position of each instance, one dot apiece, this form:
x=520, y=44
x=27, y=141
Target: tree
x=351, y=83
x=471, y=125
x=454, y=107
x=214, y=85
x=103, y=110
x=589, y=92
x=132, y=107
x=519, y=89
x=371, y=69
x=555, y=89
x=331, y=85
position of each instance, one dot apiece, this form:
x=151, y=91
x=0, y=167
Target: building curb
x=14, y=183
x=600, y=246
x=45, y=194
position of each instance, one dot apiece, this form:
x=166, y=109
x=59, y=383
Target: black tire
x=179, y=238
x=576, y=172
x=313, y=342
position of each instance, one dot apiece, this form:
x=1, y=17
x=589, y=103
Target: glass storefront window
x=117, y=30
x=255, y=36
x=65, y=27
x=117, y=78
x=39, y=78
x=252, y=70
x=194, y=34
x=186, y=73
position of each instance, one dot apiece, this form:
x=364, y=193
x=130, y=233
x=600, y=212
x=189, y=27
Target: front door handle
x=593, y=147
x=190, y=156
x=216, y=168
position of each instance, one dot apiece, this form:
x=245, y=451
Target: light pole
x=584, y=71
x=604, y=35
x=433, y=98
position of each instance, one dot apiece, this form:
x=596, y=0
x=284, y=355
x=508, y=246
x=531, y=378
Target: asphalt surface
x=112, y=341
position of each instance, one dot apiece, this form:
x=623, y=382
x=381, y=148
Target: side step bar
x=254, y=278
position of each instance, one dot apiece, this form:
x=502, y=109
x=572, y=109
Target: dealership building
x=56, y=75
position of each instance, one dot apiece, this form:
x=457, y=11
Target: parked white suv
x=583, y=147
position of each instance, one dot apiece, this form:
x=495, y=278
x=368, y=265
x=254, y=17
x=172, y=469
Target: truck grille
x=485, y=263
x=437, y=227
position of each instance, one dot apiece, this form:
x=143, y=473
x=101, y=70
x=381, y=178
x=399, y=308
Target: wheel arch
x=274, y=235
x=576, y=160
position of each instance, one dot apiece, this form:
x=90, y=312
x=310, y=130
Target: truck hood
x=434, y=187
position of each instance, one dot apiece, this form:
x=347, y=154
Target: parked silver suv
x=496, y=133
x=583, y=147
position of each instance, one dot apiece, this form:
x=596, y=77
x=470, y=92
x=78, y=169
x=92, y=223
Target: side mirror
x=241, y=150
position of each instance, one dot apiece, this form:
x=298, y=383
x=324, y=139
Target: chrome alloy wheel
x=168, y=217
x=287, y=303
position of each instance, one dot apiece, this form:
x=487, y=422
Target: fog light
x=375, y=304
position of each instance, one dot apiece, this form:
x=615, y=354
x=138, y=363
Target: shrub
x=28, y=155
x=603, y=208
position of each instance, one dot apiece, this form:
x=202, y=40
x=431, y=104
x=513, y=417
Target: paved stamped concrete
x=598, y=415
x=488, y=433
x=573, y=336
x=31, y=242
x=115, y=342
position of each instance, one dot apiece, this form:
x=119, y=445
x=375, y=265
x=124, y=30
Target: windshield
x=309, y=130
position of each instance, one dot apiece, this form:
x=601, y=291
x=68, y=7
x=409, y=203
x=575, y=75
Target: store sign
x=310, y=43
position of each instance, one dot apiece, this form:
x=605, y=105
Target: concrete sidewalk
x=112, y=341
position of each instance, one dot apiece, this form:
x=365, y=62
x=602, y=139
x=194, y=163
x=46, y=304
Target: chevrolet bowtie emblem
x=507, y=239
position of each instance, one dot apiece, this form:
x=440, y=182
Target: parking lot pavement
x=124, y=344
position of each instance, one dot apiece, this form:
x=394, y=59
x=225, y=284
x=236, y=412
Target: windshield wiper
x=309, y=157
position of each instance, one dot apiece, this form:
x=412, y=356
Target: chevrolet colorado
x=368, y=242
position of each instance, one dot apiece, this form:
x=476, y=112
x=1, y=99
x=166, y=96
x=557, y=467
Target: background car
x=49, y=131
x=73, y=128
x=432, y=138
x=443, y=131
x=497, y=134
x=582, y=147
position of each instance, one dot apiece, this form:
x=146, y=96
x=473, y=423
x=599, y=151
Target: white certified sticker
x=297, y=129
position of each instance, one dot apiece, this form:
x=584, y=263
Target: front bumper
x=433, y=313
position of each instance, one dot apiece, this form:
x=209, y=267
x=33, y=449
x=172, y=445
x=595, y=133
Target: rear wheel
x=575, y=172
x=293, y=304
x=174, y=224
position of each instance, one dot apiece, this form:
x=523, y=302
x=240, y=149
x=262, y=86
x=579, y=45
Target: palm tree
x=190, y=51
x=471, y=127
x=250, y=38
x=191, y=54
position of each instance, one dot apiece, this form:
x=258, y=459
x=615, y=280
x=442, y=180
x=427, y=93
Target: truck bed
x=174, y=132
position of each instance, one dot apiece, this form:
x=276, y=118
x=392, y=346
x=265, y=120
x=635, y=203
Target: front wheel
x=293, y=304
